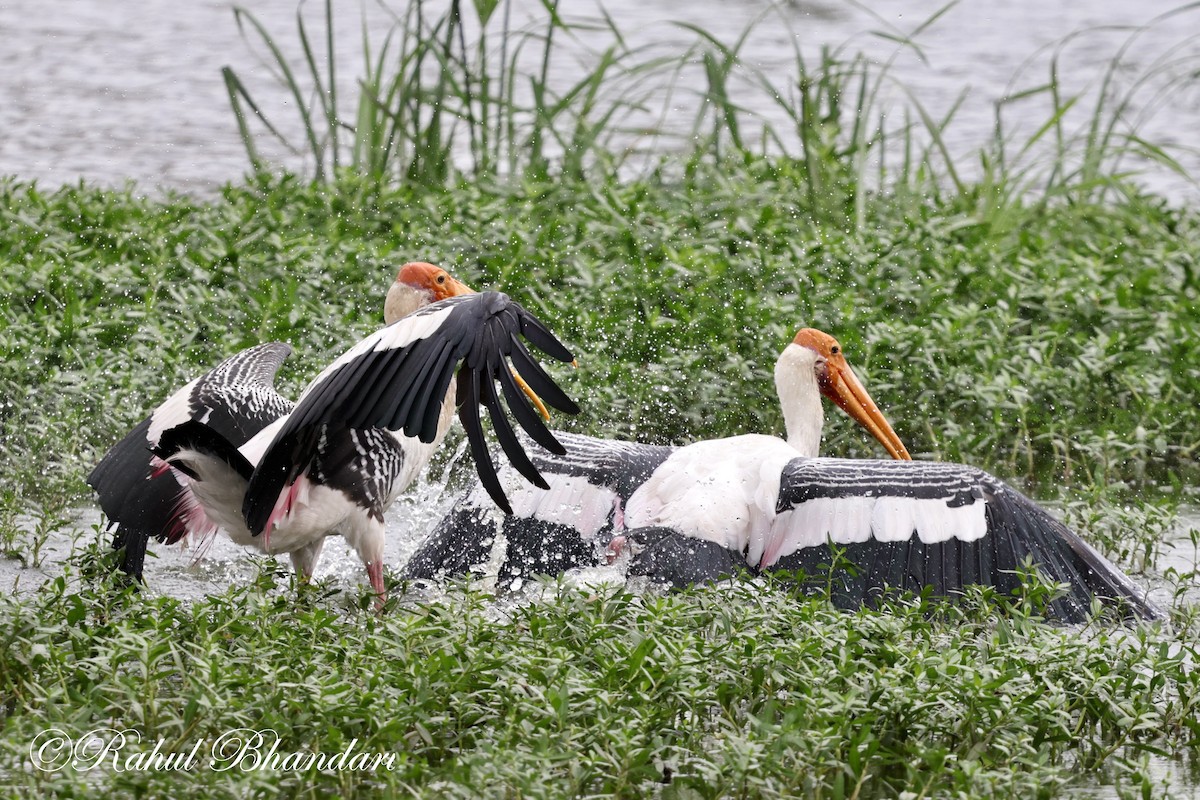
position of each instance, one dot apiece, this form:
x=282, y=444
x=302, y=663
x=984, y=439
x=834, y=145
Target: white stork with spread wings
x=757, y=503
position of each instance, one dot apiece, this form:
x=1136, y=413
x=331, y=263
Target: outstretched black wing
x=398, y=378
x=551, y=529
x=236, y=398
x=909, y=525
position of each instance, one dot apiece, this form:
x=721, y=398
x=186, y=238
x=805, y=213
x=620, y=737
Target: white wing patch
x=175, y=410
x=411, y=328
x=254, y=449
x=722, y=490
x=854, y=520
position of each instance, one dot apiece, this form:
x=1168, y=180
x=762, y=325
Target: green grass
x=731, y=691
x=438, y=83
x=1056, y=354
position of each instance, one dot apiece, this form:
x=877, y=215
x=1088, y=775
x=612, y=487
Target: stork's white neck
x=402, y=300
x=800, y=397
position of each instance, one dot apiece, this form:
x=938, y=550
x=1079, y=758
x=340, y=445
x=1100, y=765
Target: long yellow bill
x=839, y=383
x=531, y=394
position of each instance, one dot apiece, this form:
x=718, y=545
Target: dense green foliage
x=736, y=691
x=1058, y=349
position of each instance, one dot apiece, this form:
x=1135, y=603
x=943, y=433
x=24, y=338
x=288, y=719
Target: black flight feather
x=197, y=436
x=541, y=383
x=376, y=389
x=468, y=414
x=541, y=337
x=526, y=415
x=506, y=436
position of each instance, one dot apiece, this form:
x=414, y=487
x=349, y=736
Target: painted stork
x=366, y=426
x=594, y=483
x=756, y=503
x=236, y=399
x=332, y=462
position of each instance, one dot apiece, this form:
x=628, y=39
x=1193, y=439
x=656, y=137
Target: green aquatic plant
x=429, y=89
x=463, y=92
x=741, y=689
x=1038, y=356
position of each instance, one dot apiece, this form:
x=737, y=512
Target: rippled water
x=192, y=574
x=112, y=91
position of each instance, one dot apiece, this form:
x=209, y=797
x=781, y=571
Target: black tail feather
x=139, y=504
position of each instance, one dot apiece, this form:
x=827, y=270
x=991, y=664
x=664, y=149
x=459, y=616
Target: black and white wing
x=550, y=529
x=909, y=525
x=397, y=379
x=237, y=398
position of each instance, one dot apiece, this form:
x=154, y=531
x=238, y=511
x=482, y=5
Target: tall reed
x=468, y=92
x=447, y=93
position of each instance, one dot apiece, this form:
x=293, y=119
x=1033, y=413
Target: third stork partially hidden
x=753, y=503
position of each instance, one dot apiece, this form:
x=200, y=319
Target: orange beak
x=839, y=383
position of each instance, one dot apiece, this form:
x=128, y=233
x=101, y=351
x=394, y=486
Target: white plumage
x=722, y=491
x=726, y=490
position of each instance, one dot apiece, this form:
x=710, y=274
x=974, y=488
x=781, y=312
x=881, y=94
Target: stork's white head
x=818, y=352
x=417, y=285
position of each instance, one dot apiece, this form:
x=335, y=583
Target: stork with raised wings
x=359, y=433
x=756, y=503
x=144, y=500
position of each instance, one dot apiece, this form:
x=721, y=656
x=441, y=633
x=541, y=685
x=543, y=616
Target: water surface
x=109, y=91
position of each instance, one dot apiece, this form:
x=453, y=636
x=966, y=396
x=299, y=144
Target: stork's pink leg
x=618, y=543
x=615, y=547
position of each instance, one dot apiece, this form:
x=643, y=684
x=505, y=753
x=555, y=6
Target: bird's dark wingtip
x=558, y=448
x=542, y=338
